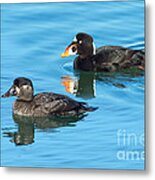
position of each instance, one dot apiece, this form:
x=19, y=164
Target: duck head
x=22, y=88
x=82, y=45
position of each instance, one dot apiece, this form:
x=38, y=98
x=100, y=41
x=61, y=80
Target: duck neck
x=88, y=51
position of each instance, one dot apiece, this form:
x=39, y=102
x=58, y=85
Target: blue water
x=32, y=38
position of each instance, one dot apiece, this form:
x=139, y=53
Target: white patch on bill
x=71, y=53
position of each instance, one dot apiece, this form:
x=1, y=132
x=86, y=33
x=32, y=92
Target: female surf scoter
x=105, y=58
x=43, y=104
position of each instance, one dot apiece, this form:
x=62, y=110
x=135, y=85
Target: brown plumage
x=43, y=104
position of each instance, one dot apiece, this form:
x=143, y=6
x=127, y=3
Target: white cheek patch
x=26, y=87
x=17, y=90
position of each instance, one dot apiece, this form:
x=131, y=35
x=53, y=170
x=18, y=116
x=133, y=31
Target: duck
x=43, y=104
x=102, y=59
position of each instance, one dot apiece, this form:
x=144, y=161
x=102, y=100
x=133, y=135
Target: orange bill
x=70, y=50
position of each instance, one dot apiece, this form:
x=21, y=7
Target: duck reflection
x=82, y=84
x=27, y=125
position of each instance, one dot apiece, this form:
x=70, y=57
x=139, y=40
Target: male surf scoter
x=43, y=104
x=105, y=58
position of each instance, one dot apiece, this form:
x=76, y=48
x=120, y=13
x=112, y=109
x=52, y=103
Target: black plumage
x=105, y=58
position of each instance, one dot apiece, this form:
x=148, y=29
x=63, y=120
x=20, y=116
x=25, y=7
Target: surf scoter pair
x=105, y=58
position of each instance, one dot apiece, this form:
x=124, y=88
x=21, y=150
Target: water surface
x=32, y=37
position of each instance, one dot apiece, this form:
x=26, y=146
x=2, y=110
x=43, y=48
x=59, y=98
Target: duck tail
x=90, y=109
x=140, y=54
x=137, y=59
x=87, y=108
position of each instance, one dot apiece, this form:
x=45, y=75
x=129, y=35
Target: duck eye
x=73, y=48
x=80, y=42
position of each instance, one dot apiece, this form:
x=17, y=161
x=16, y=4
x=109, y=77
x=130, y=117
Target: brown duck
x=43, y=104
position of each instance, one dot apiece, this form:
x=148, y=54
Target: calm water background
x=33, y=37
